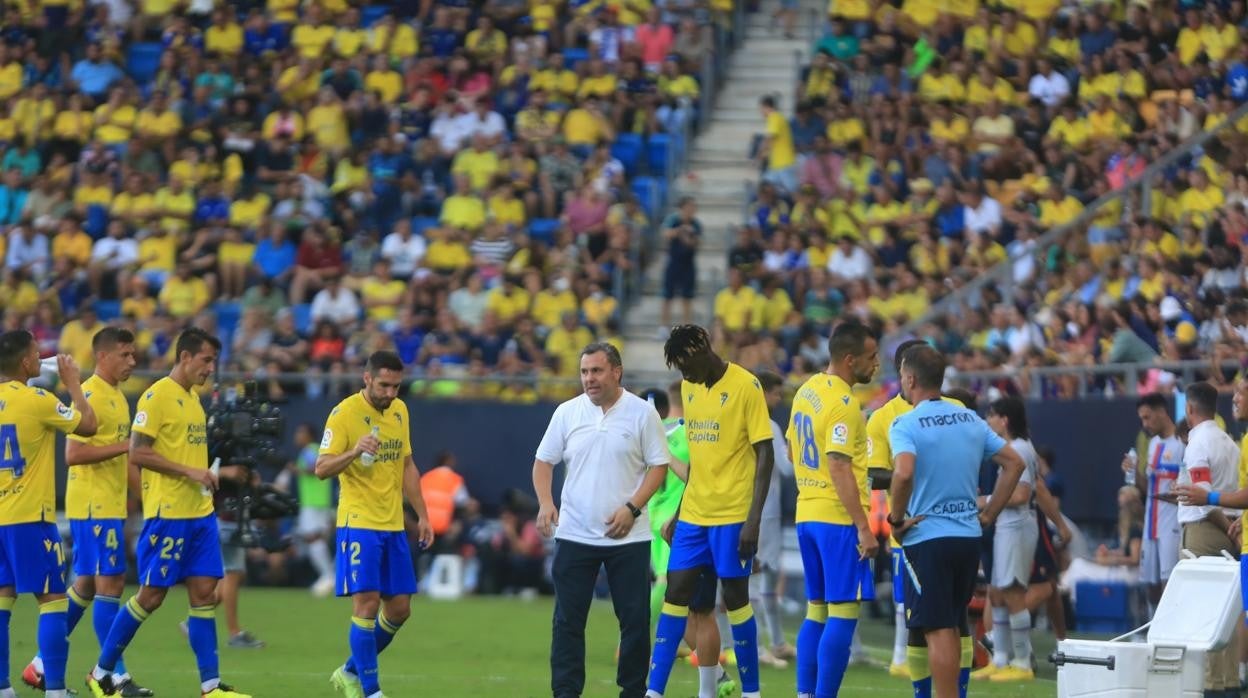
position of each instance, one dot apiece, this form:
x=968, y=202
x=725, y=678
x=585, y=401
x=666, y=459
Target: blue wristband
x=1215, y=497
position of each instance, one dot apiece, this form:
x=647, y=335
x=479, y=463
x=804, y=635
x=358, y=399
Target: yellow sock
x=968, y=652
x=916, y=661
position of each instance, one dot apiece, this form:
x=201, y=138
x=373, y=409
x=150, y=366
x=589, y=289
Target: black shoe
x=129, y=689
x=101, y=688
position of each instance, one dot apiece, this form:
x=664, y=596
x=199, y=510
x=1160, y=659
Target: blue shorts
x=940, y=582
x=834, y=572
x=709, y=546
x=98, y=547
x=31, y=558
x=899, y=576
x=1243, y=584
x=172, y=550
x=371, y=560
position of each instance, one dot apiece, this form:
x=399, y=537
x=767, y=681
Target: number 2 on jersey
x=806, y=435
x=10, y=451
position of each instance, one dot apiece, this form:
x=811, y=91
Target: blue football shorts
x=173, y=550
x=99, y=547
x=372, y=560
x=31, y=558
x=694, y=545
x=830, y=558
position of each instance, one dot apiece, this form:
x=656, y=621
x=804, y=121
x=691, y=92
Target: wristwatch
x=632, y=509
x=896, y=523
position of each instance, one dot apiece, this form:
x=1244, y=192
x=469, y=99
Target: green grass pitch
x=475, y=648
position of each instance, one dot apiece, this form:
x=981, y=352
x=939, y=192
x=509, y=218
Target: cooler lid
x=1201, y=605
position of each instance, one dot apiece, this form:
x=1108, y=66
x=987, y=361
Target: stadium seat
x=371, y=14
x=142, y=61
x=627, y=149
x=650, y=192
x=422, y=223
x=544, y=229
x=228, y=315
x=303, y=317
x=106, y=311
x=96, y=224
x=659, y=154
x=572, y=56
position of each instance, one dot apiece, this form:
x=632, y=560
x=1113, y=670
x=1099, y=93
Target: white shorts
x=314, y=521
x=1014, y=552
x=770, y=543
x=1158, y=557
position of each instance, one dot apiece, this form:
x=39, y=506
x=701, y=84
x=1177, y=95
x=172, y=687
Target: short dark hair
x=848, y=339
x=658, y=397
x=901, y=351
x=967, y=397
x=110, y=337
x=927, y=365
x=1155, y=401
x=768, y=101
x=613, y=354
x=1203, y=398
x=769, y=379
x=14, y=345
x=685, y=342
x=193, y=340
x=1011, y=407
x=383, y=361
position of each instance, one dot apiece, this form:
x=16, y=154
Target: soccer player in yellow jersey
x=31, y=558
x=367, y=446
x=180, y=543
x=730, y=462
x=95, y=500
x=828, y=442
x=879, y=467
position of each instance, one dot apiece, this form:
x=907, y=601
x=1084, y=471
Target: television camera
x=245, y=431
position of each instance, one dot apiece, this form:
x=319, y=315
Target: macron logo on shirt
x=946, y=420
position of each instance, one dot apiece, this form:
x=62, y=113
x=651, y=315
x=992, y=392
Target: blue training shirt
x=948, y=442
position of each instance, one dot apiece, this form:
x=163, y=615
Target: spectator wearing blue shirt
x=212, y=209
x=22, y=157
x=261, y=37
x=12, y=198
x=937, y=450
x=42, y=71
x=1096, y=38
x=275, y=256
x=441, y=37
x=1237, y=77
x=94, y=75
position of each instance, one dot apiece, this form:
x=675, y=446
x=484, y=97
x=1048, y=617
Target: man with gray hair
x=614, y=449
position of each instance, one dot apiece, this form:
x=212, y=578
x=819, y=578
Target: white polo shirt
x=1211, y=460
x=606, y=457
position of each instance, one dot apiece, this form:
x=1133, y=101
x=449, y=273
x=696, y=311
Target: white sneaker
x=323, y=587
x=766, y=658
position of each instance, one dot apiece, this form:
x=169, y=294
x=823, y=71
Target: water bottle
x=367, y=459
x=216, y=470
x=1135, y=461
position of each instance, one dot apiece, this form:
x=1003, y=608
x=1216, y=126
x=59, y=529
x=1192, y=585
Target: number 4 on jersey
x=11, y=451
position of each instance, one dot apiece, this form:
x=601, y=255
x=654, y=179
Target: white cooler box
x=1197, y=613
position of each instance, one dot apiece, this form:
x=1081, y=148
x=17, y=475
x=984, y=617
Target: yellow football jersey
x=826, y=418
x=879, y=452
x=371, y=495
x=1243, y=482
x=723, y=422
x=98, y=490
x=174, y=417
x=29, y=420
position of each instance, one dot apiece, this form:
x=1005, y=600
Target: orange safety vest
x=439, y=487
x=879, y=513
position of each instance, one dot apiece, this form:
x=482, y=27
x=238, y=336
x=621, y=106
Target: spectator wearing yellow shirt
x=463, y=209
x=10, y=75
x=446, y=253
x=947, y=126
x=504, y=208
x=311, y=37
x=1190, y=42
x=381, y=295
x=1200, y=200
x=777, y=152
x=18, y=295
x=771, y=307
x=551, y=303
x=157, y=124
x=558, y=82
x=175, y=204
x=1068, y=128
x=599, y=82
x=536, y=123
x=1014, y=37
x=478, y=164
x=734, y=304
x=1218, y=37
x=599, y=308
x=383, y=80
x=76, y=337
x=234, y=258
x=508, y=302
x=936, y=85
x=565, y=342
x=987, y=86
x=135, y=205
x=1159, y=242
x=349, y=36
x=72, y=243
x=327, y=122
x=585, y=126
x=398, y=40
x=183, y=296
x=114, y=120
x=224, y=37
x=299, y=81
x=1059, y=208
x=486, y=45
x=158, y=256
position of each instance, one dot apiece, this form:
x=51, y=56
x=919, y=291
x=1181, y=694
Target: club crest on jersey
x=64, y=410
x=140, y=419
x=840, y=434
x=327, y=439
x=723, y=398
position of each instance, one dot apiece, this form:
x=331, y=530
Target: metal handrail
x=1002, y=272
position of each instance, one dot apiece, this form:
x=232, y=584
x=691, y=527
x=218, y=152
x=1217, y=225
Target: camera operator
x=233, y=553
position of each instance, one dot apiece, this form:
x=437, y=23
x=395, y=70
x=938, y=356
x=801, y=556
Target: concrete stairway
x=718, y=171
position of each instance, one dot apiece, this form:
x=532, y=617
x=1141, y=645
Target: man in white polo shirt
x=614, y=448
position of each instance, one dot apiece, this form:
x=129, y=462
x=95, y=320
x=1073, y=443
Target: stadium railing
x=1092, y=381
x=1001, y=275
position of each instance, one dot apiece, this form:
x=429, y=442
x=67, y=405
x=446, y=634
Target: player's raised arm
x=72, y=378
x=335, y=456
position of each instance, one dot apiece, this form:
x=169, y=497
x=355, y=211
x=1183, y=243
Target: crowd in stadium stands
x=935, y=140
x=318, y=180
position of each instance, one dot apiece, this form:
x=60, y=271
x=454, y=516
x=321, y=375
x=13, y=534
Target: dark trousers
x=575, y=570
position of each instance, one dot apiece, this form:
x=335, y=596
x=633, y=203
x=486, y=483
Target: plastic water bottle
x=49, y=366
x=367, y=459
x=1135, y=461
x=216, y=470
